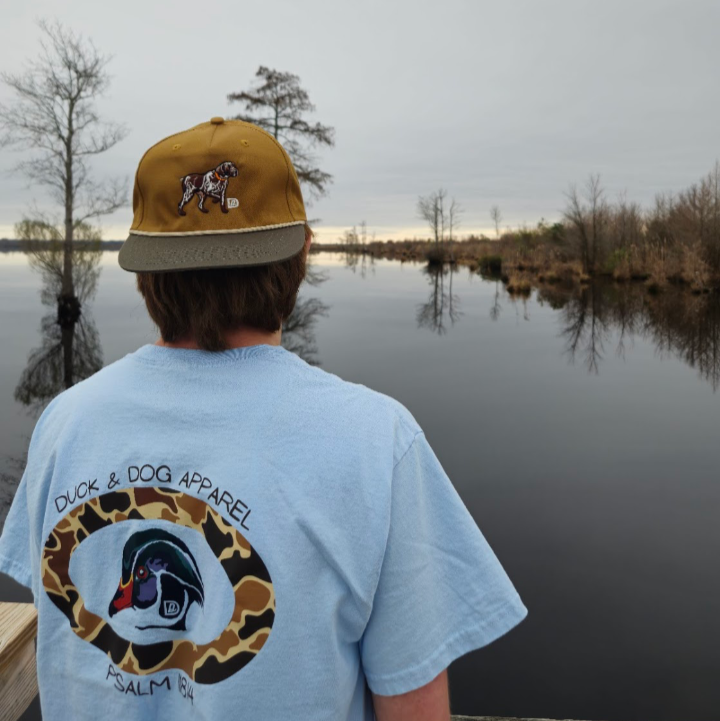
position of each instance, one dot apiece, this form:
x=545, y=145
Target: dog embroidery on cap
x=212, y=184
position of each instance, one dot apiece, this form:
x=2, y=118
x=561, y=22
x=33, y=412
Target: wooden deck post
x=18, y=673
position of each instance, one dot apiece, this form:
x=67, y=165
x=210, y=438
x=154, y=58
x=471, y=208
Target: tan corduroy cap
x=221, y=194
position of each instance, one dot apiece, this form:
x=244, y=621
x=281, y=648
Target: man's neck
x=238, y=338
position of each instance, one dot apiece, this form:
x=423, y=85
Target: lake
x=578, y=425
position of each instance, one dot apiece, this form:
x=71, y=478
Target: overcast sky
x=498, y=101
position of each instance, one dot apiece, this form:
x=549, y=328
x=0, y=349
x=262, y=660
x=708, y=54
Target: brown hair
x=205, y=304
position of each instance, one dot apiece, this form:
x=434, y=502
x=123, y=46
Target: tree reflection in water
x=70, y=347
x=299, y=329
x=442, y=304
x=359, y=262
x=679, y=323
x=690, y=330
x=70, y=350
x=298, y=334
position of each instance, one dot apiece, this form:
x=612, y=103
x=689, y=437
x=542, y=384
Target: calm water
x=580, y=429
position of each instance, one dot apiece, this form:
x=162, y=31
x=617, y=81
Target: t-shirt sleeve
x=15, y=546
x=441, y=591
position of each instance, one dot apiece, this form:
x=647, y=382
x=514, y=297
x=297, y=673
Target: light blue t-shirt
x=242, y=535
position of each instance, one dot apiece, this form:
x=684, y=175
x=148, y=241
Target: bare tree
x=695, y=219
x=431, y=208
x=454, y=214
x=54, y=115
x=350, y=238
x=497, y=218
x=588, y=214
x=363, y=233
x=278, y=104
x=627, y=223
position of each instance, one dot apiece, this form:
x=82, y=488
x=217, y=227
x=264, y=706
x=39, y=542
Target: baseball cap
x=222, y=194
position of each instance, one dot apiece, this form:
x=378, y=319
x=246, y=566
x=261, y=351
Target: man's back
x=211, y=527
x=238, y=533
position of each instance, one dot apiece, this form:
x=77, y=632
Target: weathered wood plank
x=18, y=684
x=18, y=626
x=18, y=672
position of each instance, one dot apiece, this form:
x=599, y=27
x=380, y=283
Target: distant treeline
x=676, y=240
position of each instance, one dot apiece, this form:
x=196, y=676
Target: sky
x=501, y=102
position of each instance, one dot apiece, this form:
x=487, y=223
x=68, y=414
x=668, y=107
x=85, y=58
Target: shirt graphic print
x=160, y=591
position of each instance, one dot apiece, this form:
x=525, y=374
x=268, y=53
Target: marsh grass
x=519, y=284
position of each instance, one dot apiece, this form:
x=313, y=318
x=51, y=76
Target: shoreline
x=519, y=271
x=491, y=259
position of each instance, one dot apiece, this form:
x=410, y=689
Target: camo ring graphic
x=160, y=577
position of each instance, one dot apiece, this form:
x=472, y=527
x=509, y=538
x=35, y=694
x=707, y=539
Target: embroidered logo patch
x=211, y=184
x=233, y=202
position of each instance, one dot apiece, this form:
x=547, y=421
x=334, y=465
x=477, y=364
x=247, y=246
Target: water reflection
x=679, y=323
x=299, y=329
x=442, y=305
x=359, y=262
x=592, y=316
x=495, y=308
x=298, y=334
x=9, y=481
x=70, y=349
x=690, y=330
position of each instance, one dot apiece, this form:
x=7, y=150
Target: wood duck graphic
x=160, y=579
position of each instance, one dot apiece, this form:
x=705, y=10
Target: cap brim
x=157, y=253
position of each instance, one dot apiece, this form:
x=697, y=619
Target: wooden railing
x=18, y=674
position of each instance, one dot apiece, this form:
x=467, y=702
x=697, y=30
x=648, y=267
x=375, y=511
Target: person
x=213, y=528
